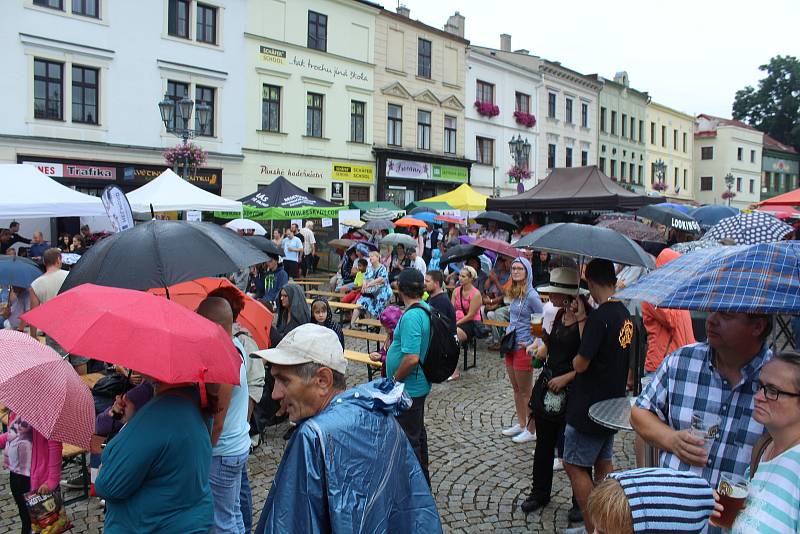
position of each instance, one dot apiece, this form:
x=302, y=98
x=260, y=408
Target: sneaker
x=558, y=465
x=512, y=431
x=524, y=437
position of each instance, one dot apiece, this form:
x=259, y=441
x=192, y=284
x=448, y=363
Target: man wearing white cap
x=349, y=466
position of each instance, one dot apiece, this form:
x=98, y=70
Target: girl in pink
x=389, y=319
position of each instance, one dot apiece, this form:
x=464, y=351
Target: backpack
x=444, y=351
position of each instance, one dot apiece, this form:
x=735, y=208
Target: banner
x=117, y=208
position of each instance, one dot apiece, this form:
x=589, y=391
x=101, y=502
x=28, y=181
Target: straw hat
x=563, y=280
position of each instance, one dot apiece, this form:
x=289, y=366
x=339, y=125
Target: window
x=206, y=24
x=484, y=150
x=314, y=115
x=178, y=18
x=613, y=122
x=177, y=91
x=424, y=58
x=641, y=174
x=624, y=125
x=738, y=184
x=84, y=95
x=663, y=136
x=357, y=121
x=359, y=193
x=484, y=92
x=48, y=90
x=739, y=152
x=622, y=168
x=568, y=157
x=568, y=110
x=523, y=102
x=271, y=108
x=584, y=158
x=684, y=143
x=317, y=31
x=52, y=4
x=602, y=119
x=652, y=133
x=602, y=165
x=551, y=156
x=752, y=186
x=706, y=183
x=449, y=134
x=675, y=178
x=551, y=105
x=641, y=131
x=613, y=168
x=633, y=132
x=204, y=95
x=87, y=8
x=674, y=139
x=652, y=173
x=707, y=152
x=584, y=115
x=424, y=130
x=685, y=180
x=632, y=173
x=394, y=134
x=752, y=156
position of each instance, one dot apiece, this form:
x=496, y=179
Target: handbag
x=545, y=403
x=508, y=343
x=370, y=290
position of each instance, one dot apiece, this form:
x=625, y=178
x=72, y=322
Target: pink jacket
x=45, y=460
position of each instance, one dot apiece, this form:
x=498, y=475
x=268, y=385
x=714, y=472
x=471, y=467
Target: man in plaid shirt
x=716, y=379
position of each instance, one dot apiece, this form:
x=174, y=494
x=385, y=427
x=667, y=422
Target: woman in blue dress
x=376, y=291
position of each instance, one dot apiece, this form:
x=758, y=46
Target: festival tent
x=28, y=193
x=282, y=200
x=461, y=198
x=170, y=192
x=574, y=189
x=792, y=198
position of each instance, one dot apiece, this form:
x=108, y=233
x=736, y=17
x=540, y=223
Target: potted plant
x=189, y=154
x=525, y=119
x=519, y=174
x=487, y=109
x=659, y=186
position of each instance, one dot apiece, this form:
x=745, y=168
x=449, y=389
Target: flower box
x=525, y=119
x=659, y=186
x=189, y=154
x=487, y=109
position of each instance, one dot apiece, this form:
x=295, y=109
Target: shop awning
x=792, y=198
x=170, y=192
x=282, y=200
x=28, y=193
x=438, y=206
x=461, y=198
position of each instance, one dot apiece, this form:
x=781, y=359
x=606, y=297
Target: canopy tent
x=282, y=200
x=574, y=189
x=461, y=198
x=385, y=204
x=28, y=193
x=792, y=198
x=170, y=192
x=438, y=206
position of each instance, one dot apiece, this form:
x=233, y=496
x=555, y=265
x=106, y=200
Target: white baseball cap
x=305, y=344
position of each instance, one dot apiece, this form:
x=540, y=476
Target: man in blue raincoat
x=349, y=466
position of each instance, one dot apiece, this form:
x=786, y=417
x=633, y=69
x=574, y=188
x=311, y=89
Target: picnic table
x=340, y=305
x=361, y=357
x=366, y=336
x=327, y=294
x=313, y=283
x=370, y=322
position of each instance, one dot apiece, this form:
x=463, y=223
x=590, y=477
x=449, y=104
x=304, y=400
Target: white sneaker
x=512, y=431
x=524, y=437
x=558, y=465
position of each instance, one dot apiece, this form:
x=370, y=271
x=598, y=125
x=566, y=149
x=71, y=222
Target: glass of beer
x=733, y=490
x=706, y=428
x=536, y=324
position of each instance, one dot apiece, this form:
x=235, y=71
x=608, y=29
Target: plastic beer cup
x=733, y=490
x=536, y=324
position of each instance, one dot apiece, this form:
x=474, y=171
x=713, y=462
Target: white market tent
x=170, y=192
x=28, y=193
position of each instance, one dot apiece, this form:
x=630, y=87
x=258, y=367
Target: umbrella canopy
x=246, y=224
x=460, y=253
x=501, y=247
x=163, y=253
x=781, y=212
x=462, y=198
x=254, y=316
x=615, y=215
x=670, y=218
x=438, y=206
x=422, y=209
x=265, y=245
x=634, y=229
x=282, y=200
x=763, y=278
x=502, y=219
x=708, y=216
x=399, y=239
x=792, y=198
x=409, y=222
x=170, y=192
x=587, y=241
x=749, y=229
x=683, y=208
x=449, y=219
x=28, y=193
x=352, y=224
x=691, y=246
x=44, y=389
x=379, y=224
x=17, y=271
x=425, y=216
x=378, y=214
x=149, y=334
x=341, y=243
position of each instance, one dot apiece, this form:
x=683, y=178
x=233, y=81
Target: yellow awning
x=462, y=198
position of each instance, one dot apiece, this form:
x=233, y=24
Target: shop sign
x=337, y=71
x=80, y=172
x=205, y=178
x=784, y=166
x=353, y=173
x=291, y=173
x=450, y=173
x=337, y=190
x=418, y=170
x=273, y=55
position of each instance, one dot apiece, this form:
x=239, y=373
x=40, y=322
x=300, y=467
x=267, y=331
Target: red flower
x=525, y=119
x=487, y=109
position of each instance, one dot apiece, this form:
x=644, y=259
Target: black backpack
x=444, y=351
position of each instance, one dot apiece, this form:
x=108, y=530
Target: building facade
x=780, y=166
x=727, y=147
x=669, y=140
x=515, y=92
x=621, y=146
x=419, y=130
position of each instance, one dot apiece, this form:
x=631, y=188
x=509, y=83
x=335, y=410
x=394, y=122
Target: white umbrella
x=246, y=224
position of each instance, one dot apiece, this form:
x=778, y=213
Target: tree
x=773, y=108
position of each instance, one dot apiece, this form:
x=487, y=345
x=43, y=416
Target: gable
x=427, y=97
x=397, y=90
x=452, y=102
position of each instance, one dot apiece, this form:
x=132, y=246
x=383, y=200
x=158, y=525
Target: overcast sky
x=693, y=56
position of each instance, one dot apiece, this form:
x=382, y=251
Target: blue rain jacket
x=351, y=469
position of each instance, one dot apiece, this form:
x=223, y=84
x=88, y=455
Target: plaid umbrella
x=636, y=230
x=749, y=229
x=762, y=278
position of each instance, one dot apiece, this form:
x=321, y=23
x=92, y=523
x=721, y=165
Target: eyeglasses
x=772, y=393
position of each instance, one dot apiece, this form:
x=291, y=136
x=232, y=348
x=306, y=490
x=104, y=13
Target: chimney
x=505, y=42
x=403, y=11
x=621, y=78
x=455, y=25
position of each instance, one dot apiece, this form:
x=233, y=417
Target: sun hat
x=563, y=280
x=308, y=343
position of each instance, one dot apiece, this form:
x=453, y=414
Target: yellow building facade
x=669, y=136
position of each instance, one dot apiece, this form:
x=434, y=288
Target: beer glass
x=733, y=490
x=706, y=428
x=536, y=324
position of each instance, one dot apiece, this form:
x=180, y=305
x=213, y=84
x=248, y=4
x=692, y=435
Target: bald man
x=230, y=437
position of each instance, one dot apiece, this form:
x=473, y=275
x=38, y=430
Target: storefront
x=404, y=177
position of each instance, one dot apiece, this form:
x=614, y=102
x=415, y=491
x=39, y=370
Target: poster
x=117, y=208
x=327, y=223
x=347, y=215
x=194, y=215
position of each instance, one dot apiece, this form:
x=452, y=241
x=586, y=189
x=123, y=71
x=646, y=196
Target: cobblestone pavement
x=479, y=477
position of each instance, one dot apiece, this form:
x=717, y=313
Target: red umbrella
x=501, y=247
x=44, y=390
x=781, y=212
x=448, y=219
x=143, y=332
x=410, y=221
x=254, y=316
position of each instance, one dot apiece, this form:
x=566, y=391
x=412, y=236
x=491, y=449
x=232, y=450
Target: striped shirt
x=773, y=504
x=687, y=382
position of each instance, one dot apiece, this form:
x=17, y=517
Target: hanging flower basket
x=728, y=195
x=487, y=109
x=190, y=154
x=525, y=119
x=519, y=174
x=659, y=186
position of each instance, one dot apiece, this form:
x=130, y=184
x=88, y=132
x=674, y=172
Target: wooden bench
x=366, y=336
x=498, y=324
x=330, y=295
x=340, y=305
x=370, y=322
x=360, y=357
x=313, y=283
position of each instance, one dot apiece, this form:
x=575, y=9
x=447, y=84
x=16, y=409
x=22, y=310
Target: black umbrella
x=163, y=253
x=460, y=253
x=264, y=245
x=502, y=219
x=587, y=241
x=422, y=209
x=669, y=217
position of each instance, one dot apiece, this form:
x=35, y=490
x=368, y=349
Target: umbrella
x=375, y=214
x=254, y=316
x=634, y=229
x=368, y=244
x=749, y=229
x=44, y=389
x=590, y=241
x=341, y=243
x=409, y=222
x=246, y=224
x=615, y=215
x=683, y=208
x=501, y=247
x=502, y=219
x=708, y=216
x=460, y=253
x=762, y=278
x=17, y=271
x=352, y=224
x=379, y=224
x=449, y=219
x=781, y=212
x=265, y=245
x=163, y=253
x=424, y=216
x=669, y=217
x=151, y=335
x=399, y=239
x=691, y=246
x=68, y=258
x=422, y=209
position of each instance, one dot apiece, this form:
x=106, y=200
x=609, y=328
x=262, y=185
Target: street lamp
x=729, y=185
x=176, y=116
x=520, y=152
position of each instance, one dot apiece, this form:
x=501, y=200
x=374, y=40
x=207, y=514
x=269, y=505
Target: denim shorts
x=584, y=450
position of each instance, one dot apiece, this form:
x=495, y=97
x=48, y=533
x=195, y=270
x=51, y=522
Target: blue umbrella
x=683, y=208
x=708, y=216
x=762, y=278
x=19, y=272
x=426, y=216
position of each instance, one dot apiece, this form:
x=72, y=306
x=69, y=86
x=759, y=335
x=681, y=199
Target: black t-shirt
x=606, y=341
x=563, y=343
x=443, y=305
